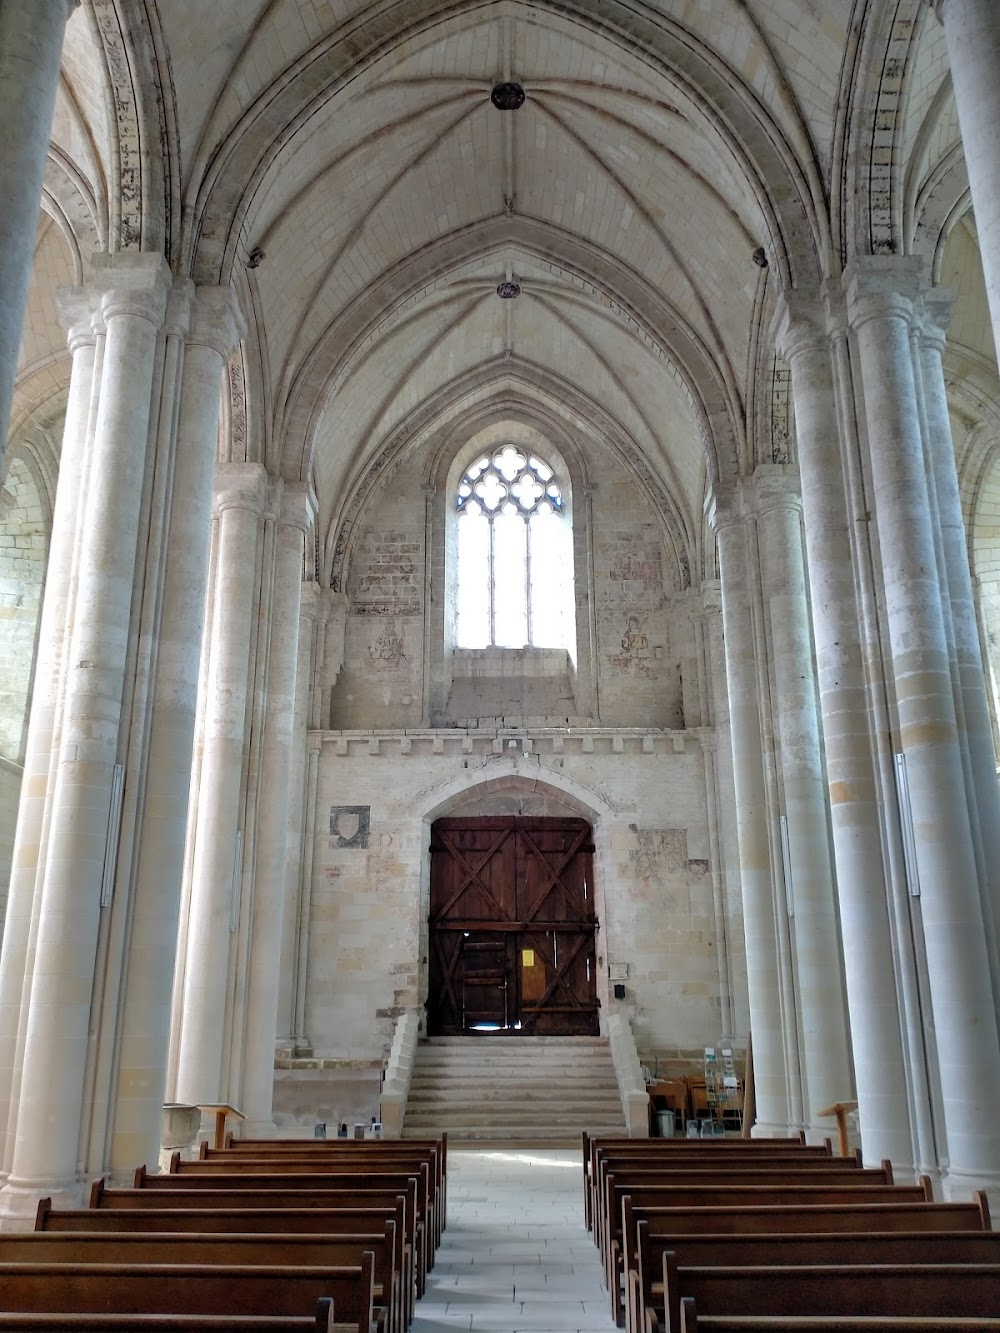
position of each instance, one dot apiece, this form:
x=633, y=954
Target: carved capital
x=799, y=325
x=240, y=486
x=131, y=283
x=298, y=508
x=217, y=321
x=883, y=287
x=79, y=314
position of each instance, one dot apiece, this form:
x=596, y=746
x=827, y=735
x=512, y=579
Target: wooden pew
x=717, y=1193
x=751, y=1150
x=318, y=1223
x=376, y=1155
x=105, y=1322
x=645, y=1300
x=71, y=1288
x=650, y=1175
x=931, y=1291
x=353, y=1183
x=691, y=1322
x=271, y=1250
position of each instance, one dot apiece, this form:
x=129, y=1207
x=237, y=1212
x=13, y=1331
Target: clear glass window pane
x=551, y=571
x=473, y=622
x=510, y=579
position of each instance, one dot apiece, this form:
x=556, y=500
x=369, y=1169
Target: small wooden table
x=840, y=1110
x=220, y=1113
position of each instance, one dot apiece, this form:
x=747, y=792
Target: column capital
x=79, y=315
x=883, y=287
x=936, y=307
x=799, y=325
x=723, y=511
x=776, y=486
x=310, y=601
x=217, y=321
x=297, y=508
x=711, y=596
x=132, y=283
x=240, y=486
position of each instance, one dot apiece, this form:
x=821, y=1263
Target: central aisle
x=516, y=1254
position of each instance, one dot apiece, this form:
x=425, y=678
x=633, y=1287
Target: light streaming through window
x=515, y=562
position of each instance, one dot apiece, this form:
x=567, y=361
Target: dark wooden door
x=512, y=927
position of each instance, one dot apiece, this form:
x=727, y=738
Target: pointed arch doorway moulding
x=512, y=927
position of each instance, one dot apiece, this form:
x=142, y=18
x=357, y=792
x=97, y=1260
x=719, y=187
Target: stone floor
x=516, y=1254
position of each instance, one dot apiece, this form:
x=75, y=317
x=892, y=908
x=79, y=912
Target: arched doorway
x=512, y=926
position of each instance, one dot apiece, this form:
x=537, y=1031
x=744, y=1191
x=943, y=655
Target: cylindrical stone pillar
x=810, y=895
x=272, y=828
x=756, y=872
x=972, y=34
x=78, y=309
x=957, y=964
x=51, y=1095
x=876, y=1034
x=145, y=1028
x=31, y=41
x=976, y=733
x=296, y=890
x=240, y=494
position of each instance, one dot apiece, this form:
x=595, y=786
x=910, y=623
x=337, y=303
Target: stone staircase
x=502, y=1088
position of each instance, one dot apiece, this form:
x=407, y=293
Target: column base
x=960, y=1185
x=19, y=1200
x=764, y=1129
x=257, y=1129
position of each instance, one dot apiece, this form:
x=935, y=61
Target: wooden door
x=512, y=927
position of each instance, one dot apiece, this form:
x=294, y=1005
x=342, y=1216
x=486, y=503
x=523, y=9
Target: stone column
x=972, y=33
x=728, y=842
x=240, y=493
x=810, y=895
x=756, y=870
x=79, y=310
x=880, y=307
x=272, y=829
x=50, y=1105
x=876, y=1036
x=214, y=333
x=972, y=704
x=31, y=40
x=295, y=888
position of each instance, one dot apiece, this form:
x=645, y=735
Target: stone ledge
x=513, y=740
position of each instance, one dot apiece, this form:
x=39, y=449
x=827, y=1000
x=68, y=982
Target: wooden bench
x=377, y=1156
x=47, y=1322
x=70, y=1288
x=752, y=1150
x=651, y=1175
x=717, y=1193
x=692, y=1323
x=355, y=1185
x=930, y=1291
x=645, y=1300
x=318, y=1223
x=272, y=1250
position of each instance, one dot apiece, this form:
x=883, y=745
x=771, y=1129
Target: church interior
x=499, y=549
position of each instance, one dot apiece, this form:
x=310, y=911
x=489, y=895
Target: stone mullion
x=31, y=42
x=240, y=494
x=965, y=1020
x=51, y=1100
x=810, y=895
x=876, y=1034
x=272, y=833
x=756, y=870
x=145, y=1022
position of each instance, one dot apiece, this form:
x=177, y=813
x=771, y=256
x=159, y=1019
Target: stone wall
x=644, y=793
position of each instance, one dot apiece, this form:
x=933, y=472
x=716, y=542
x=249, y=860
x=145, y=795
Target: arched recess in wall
x=510, y=788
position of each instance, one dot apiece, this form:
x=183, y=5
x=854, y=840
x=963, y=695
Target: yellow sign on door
x=527, y=958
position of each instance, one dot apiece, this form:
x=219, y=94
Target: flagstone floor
x=516, y=1255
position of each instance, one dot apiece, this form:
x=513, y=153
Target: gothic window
x=515, y=557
